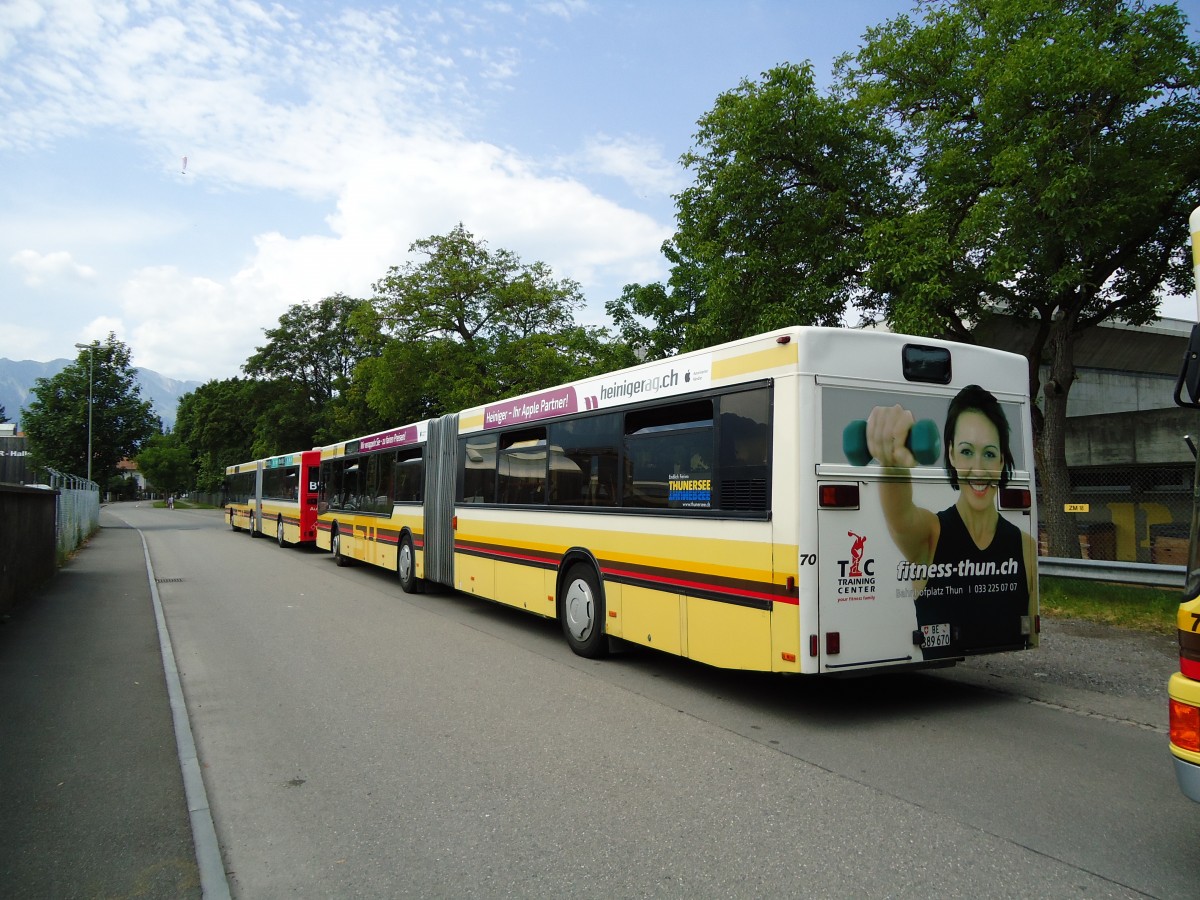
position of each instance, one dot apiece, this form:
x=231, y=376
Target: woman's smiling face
x=977, y=457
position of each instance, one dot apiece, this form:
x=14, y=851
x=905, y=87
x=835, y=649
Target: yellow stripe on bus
x=759, y=361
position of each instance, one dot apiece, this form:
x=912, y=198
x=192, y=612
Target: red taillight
x=1015, y=498
x=838, y=496
x=1185, y=726
x=833, y=642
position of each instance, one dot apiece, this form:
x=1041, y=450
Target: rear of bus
x=930, y=555
x=289, y=497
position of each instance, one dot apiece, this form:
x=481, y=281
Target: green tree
x=56, y=420
x=468, y=325
x=3, y=415
x=1050, y=164
x=313, y=351
x=166, y=464
x=772, y=231
x=216, y=424
x=1034, y=158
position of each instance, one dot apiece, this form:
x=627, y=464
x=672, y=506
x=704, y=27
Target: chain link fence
x=78, y=510
x=1136, y=514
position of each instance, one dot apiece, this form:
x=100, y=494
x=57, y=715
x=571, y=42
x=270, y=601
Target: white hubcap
x=580, y=608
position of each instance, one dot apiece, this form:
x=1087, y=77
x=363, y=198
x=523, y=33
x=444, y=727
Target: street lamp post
x=90, y=348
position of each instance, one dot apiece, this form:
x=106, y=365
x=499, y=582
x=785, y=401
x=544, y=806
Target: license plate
x=935, y=635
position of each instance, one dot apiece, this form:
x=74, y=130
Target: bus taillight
x=1185, y=726
x=839, y=496
x=1015, y=498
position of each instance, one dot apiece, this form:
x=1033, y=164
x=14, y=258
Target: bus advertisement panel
x=940, y=537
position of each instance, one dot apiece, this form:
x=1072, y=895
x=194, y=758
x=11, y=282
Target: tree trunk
x=1051, y=449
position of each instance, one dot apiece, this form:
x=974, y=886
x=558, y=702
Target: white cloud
x=40, y=268
x=366, y=113
x=637, y=162
x=188, y=326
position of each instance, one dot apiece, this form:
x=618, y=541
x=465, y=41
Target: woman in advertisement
x=971, y=570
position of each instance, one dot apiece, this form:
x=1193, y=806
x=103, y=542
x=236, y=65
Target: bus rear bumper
x=1188, y=776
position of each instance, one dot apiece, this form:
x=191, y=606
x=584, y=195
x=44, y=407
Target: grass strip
x=1119, y=605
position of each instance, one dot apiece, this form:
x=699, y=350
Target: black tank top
x=980, y=594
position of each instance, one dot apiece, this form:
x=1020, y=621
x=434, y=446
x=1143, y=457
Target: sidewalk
x=92, y=802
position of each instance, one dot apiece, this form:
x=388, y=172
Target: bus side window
x=666, y=445
x=409, y=476
x=583, y=462
x=351, y=477
x=477, y=474
x=377, y=487
x=745, y=441
x=522, y=467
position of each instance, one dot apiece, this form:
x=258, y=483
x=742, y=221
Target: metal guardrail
x=1150, y=574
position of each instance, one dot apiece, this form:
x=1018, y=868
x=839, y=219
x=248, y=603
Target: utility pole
x=91, y=349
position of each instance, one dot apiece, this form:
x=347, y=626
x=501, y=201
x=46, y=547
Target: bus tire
x=339, y=558
x=279, y=532
x=581, y=611
x=406, y=566
x=231, y=525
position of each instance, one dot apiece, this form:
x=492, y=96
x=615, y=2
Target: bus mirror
x=1189, y=373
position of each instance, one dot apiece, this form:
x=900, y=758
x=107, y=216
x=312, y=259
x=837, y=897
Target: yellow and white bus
x=276, y=496
x=810, y=500
x=370, y=503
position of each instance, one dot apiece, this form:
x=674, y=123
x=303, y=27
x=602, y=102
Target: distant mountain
x=17, y=378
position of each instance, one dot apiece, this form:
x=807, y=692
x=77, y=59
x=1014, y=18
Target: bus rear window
x=927, y=364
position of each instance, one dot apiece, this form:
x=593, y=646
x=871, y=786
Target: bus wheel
x=279, y=532
x=582, y=612
x=406, y=566
x=231, y=525
x=336, y=547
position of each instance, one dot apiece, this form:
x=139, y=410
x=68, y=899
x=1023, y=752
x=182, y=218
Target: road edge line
x=213, y=881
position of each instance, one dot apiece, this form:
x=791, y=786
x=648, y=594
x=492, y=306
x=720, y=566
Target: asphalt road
x=359, y=742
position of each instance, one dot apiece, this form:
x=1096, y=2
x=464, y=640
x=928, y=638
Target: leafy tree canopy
x=1028, y=157
x=166, y=464
x=468, y=325
x=56, y=420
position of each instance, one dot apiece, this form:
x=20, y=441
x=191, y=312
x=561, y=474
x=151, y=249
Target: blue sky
x=323, y=139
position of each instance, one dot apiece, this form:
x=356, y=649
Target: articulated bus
x=811, y=500
x=276, y=496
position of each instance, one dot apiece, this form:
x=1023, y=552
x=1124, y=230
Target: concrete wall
x=28, y=545
x=1145, y=437
x=1099, y=391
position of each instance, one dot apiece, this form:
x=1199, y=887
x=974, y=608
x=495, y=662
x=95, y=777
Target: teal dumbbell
x=923, y=440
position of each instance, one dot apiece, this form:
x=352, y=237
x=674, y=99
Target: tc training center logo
x=856, y=575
